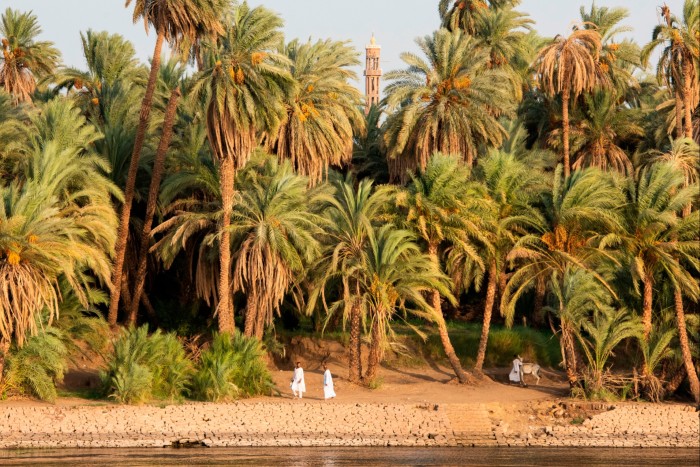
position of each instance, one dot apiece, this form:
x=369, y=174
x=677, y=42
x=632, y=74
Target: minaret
x=372, y=74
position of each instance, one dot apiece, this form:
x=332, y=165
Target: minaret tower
x=372, y=74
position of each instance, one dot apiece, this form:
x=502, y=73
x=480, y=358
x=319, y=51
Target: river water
x=531, y=456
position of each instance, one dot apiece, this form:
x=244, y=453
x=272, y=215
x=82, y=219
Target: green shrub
x=143, y=367
x=35, y=368
x=232, y=367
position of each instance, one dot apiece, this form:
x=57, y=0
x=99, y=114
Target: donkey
x=531, y=369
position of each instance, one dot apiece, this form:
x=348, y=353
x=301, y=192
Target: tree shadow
x=417, y=375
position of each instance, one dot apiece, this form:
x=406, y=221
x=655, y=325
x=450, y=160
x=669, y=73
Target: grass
x=533, y=345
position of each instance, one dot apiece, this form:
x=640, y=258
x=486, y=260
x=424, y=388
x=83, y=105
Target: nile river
x=357, y=456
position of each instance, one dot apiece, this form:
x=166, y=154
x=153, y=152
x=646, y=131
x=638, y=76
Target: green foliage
x=144, y=367
x=36, y=367
x=532, y=344
x=232, y=367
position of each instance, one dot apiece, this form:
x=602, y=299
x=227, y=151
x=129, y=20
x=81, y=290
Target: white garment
x=328, y=390
x=515, y=373
x=298, y=384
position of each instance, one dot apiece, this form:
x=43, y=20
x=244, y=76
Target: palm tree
x=618, y=59
x=445, y=209
x=245, y=81
x=276, y=232
x=569, y=65
x=173, y=21
x=579, y=212
x=394, y=274
x=599, y=130
x=368, y=157
x=56, y=222
x=153, y=191
x=468, y=15
x=25, y=60
x=353, y=212
x=504, y=35
x=513, y=188
x=663, y=244
x=323, y=110
x=111, y=62
x=677, y=67
x=584, y=306
x=449, y=102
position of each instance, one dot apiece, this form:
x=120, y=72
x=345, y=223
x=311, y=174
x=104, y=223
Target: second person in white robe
x=328, y=389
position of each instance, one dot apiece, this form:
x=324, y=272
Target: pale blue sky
x=395, y=23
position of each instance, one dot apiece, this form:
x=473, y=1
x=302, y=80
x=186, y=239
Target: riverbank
x=288, y=423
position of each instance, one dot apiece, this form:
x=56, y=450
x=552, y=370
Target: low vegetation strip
x=331, y=424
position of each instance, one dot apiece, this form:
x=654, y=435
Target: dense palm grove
x=549, y=181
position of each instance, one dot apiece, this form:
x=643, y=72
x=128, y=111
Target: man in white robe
x=298, y=384
x=328, y=390
x=516, y=374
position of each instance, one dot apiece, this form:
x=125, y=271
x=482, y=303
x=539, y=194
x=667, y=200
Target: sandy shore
x=316, y=423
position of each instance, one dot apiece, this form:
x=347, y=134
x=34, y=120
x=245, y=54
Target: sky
x=395, y=23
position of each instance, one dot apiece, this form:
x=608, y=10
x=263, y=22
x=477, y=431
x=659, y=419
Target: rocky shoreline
x=298, y=423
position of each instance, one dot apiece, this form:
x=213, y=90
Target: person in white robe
x=298, y=384
x=328, y=390
x=516, y=374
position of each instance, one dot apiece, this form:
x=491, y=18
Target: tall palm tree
x=569, y=66
x=394, y=274
x=513, y=188
x=618, y=59
x=577, y=215
x=173, y=21
x=245, y=80
x=276, y=229
x=446, y=209
x=663, y=244
x=677, y=67
x=448, y=102
x=323, y=110
x=353, y=212
x=468, y=15
x=503, y=33
x=24, y=59
x=153, y=191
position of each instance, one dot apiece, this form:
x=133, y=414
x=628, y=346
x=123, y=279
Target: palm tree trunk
x=675, y=380
x=647, y=306
x=374, y=353
x=251, y=317
x=488, y=308
x=540, y=291
x=687, y=77
x=120, y=247
x=565, y=95
x=679, y=113
x=260, y=326
x=225, y=312
x=568, y=343
x=462, y=375
x=685, y=347
x=4, y=349
x=153, y=191
x=354, y=344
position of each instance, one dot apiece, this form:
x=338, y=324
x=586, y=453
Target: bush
x=35, y=368
x=144, y=367
x=232, y=367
